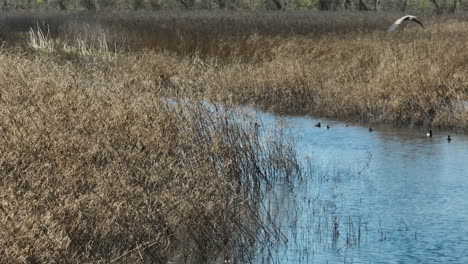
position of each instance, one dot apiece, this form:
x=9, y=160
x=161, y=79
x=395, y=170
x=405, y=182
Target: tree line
x=439, y=6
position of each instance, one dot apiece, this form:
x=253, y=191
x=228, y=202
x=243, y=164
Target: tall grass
x=125, y=160
x=203, y=33
x=96, y=168
x=333, y=64
x=90, y=46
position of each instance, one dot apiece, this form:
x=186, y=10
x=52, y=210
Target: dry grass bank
x=412, y=77
x=96, y=167
x=330, y=64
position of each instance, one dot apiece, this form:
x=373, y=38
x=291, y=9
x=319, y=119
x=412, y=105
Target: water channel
x=393, y=195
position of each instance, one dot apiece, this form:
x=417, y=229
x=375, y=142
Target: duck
x=449, y=138
x=318, y=124
x=370, y=129
x=346, y=125
x=429, y=134
x=328, y=126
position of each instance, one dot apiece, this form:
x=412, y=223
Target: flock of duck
x=394, y=26
x=429, y=134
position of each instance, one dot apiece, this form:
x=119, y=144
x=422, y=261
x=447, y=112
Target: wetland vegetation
x=110, y=153
x=328, y=64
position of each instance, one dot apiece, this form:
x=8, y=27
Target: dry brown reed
x=118, y=159
x=201, y=33
x=342, y=65
x=412, y=77
x=96, y=166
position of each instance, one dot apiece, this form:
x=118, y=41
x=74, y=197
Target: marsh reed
x=341, y=65
x=131, y=157
x=97, y=168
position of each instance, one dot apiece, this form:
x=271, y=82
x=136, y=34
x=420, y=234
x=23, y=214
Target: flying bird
x=400, y=20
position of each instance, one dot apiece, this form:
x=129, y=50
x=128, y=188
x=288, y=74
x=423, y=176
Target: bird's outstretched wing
x=393, y=27
x=401, y=19
x=396, y=24
x=417, y=21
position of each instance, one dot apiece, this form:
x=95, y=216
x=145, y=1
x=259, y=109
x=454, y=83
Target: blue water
x=399, y=196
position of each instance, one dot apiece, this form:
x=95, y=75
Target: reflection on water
x=393, y=195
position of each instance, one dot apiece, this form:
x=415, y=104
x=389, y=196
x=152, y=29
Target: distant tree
x=104, y=4
x=306, y=4
x=155, y=4
x=278, y=4
x=88, y=4
x=187, y=4
x=346, y=4
x=324, y=4
x=221, y=4
x=137, y=4
x=61, y=4
x=376, y=5
x=362, y=6
x=436, y=5
x=402, y=4
x=453, y=7
x=273, y=4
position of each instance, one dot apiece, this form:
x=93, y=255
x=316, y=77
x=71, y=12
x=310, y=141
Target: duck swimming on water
x=449, y=138
x=318, y=124
x=429, y=134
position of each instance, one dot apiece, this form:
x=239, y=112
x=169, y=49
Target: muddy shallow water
x=393, y=195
